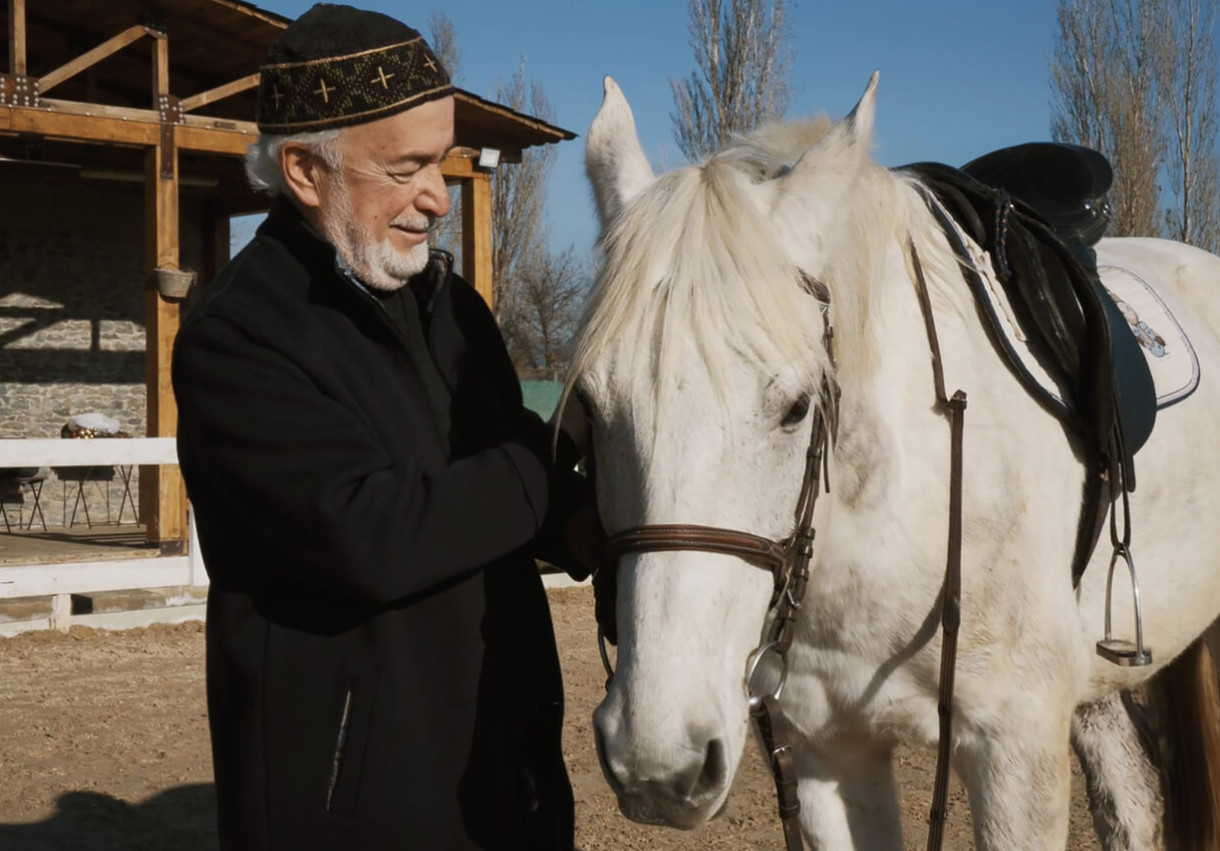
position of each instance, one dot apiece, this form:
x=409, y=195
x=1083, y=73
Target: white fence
x=62, y=580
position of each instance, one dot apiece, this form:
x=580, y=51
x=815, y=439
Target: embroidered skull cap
x=336, y=66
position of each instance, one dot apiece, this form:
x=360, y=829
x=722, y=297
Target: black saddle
x=1066, y=184
x=1037, y=215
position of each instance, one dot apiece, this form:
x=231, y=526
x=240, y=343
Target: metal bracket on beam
x=155, y=21
x=170, y=110
x=18, y=90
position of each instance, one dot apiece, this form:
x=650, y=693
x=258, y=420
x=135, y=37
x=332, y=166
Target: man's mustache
x=426, y=223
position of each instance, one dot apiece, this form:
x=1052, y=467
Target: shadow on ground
x=183, y=819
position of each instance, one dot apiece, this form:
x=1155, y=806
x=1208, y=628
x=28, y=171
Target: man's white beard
x=376, y=263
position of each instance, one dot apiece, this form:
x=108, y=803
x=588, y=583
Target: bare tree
x=445, y=44
x=743, y=58
x=517, y=198
x=544, y=312
x=1135, y=79
x=1104, y=78
x=448, y=232
x=1189, y=85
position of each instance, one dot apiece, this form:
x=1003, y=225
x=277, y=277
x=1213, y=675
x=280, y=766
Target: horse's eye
x=797, y=412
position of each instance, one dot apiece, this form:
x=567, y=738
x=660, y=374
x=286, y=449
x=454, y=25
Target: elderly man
x=370, y=492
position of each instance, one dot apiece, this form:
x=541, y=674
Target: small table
x=125, y=473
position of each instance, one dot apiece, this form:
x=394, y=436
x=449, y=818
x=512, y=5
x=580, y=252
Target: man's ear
x=303, y=173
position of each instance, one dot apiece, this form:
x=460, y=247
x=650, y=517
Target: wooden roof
x=212, y=42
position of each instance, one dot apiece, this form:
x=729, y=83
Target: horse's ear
x=825, y=171
x=862, y=115
x=614, y=160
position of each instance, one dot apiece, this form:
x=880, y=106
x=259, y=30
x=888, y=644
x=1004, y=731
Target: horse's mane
x=694, y=256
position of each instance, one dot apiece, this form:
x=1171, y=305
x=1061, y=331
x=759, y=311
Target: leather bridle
x=788, y=561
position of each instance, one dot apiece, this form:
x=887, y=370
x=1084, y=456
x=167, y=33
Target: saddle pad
x=1167, y=350
x=1170, y=356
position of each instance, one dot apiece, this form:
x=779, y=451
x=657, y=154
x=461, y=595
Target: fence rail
x=98, y=451
x=61, y=580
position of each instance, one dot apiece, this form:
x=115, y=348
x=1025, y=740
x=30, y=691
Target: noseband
x=787, y=560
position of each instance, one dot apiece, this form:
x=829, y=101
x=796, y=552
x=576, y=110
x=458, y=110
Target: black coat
x=381, y=665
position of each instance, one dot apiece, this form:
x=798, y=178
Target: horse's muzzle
x=683, y=796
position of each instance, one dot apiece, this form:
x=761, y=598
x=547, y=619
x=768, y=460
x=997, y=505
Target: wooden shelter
x=163, y=92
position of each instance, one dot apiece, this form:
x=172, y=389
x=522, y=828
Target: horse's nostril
x=706, y=778
x=715, y=771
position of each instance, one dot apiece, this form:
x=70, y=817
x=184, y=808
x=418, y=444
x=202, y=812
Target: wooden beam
x=45, y=122
x=162, y=494
x=88, y=110
x=224, y=142
x=247, y=9
x=457, y=166
x=160, y=69
x=92, y=57
x=220, y=92
x=476, y=235
x=461, y=164
x=16, y=38
x=207, y=122
x=84, y=122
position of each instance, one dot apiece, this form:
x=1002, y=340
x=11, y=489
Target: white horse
x=698, y=358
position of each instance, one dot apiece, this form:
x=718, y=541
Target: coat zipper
x=340, y=743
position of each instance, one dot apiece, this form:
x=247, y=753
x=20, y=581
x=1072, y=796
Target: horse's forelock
x=697, y=255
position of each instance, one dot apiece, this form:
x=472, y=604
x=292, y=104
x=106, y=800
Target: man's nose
x=433, y=198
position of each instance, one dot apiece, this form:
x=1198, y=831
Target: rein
x=951, y=595
x=788, y=561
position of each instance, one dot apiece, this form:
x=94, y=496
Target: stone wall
x=72, y=318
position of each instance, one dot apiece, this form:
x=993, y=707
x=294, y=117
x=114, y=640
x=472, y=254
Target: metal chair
x=33, y=477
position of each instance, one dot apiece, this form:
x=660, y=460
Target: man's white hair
x=263, y=157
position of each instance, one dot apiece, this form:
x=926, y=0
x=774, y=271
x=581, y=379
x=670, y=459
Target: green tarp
x=541, y=396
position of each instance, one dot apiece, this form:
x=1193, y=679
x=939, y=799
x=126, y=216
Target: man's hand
x=585, y=539
x=574, y=421
x=605, y=610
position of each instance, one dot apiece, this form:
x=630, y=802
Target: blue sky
x=958, y=77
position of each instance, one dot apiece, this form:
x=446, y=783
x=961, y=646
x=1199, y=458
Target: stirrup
x=1117, y=650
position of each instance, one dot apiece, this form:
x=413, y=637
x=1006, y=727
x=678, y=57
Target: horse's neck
x=892, y=460
x=889, y=449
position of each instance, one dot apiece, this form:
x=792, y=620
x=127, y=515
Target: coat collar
x=286, y=225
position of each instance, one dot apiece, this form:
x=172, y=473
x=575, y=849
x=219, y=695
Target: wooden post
x=162, y=494
x=16, y=38
x=61, y=612
x=476, y=235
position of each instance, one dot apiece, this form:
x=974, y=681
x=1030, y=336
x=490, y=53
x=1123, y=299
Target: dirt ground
x=104, y=745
